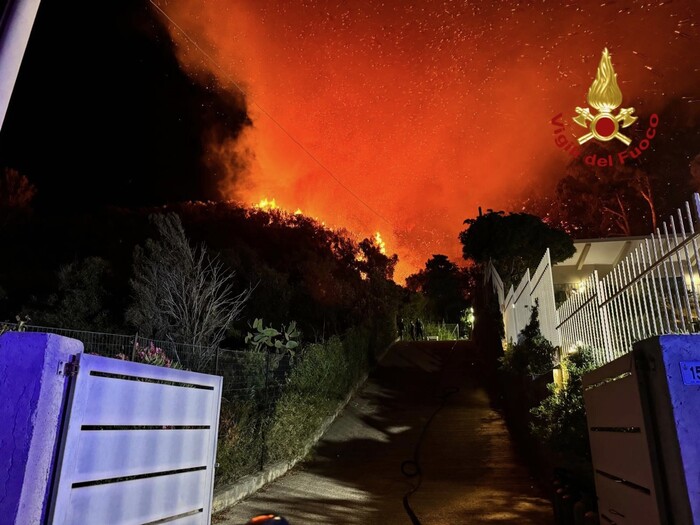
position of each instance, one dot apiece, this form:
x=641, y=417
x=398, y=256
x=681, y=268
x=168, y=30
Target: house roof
x=594, y=254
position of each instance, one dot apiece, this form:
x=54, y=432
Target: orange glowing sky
x=423, y=109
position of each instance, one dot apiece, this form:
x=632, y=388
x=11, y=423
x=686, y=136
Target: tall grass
x=443, y=331
x=277, y=423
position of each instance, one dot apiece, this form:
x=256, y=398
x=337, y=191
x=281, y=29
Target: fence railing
x=442, y=331
x=542, y=293
x=582, y=320
x=517, y=304
x=233, y=365
x=198, y=358
x=253, y=381
x=492, y=275
x=654, y=290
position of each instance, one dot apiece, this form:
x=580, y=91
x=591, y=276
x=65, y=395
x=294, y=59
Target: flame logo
x=604, y=94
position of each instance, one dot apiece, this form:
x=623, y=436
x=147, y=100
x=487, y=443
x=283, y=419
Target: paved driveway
x=470, y=472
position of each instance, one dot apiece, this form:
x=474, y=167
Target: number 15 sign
x=690, y=370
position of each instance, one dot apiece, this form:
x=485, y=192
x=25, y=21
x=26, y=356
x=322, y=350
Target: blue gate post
x=671, y=373
x=33, y=387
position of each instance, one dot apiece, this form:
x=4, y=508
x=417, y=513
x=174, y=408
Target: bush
x=21, y=326
x=83, y=298
x=533, y=354
x=239, y=447
x=359, y=348
x=560, y=420
x=441, y=330
x=152, y=355
x=270, y=339
x=315, y=389
x=259, y=426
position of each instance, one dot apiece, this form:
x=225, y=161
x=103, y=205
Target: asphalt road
x=470, y=473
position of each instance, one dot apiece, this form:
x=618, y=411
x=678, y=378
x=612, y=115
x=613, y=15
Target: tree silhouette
x=182, y=293
x=445, y=285
x=514, y=242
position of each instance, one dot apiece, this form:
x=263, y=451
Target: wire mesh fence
x=441, y=331
x=272, y=402
x=233, y=365
x=108, y=345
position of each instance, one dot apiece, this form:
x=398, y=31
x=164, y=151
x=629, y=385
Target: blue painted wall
x=31, y=403
x=677, y=352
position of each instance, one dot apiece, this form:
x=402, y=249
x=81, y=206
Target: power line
x=268, y=115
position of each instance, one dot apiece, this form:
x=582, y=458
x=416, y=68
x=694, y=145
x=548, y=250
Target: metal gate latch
x=69, y=369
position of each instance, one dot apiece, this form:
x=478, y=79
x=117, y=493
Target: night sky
x=126, y=127
x=422, y=109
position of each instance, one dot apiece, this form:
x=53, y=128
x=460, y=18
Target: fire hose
x=411, y=467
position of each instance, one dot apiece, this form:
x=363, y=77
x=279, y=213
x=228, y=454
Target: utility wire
x=276, y=122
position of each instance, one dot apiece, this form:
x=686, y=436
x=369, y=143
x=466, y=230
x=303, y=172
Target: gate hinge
x=69, y=369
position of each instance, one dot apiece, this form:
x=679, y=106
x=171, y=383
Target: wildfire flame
x=604, y=94
x=380, y=243
x=271, y=204
x=266, y=205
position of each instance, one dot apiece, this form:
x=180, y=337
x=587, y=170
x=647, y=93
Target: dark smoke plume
x=102, y=112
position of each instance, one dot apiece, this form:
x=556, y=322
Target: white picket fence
x=654, y=290
x=139, y=445
x=517, y=304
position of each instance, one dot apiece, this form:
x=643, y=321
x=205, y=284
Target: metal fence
x=583, y=321
x=442, y=331
x=233, y=365
x=135, y=347
x=253, y=381
x=497, y=283
x=654, y=290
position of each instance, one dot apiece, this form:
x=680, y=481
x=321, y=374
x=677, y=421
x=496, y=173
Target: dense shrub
x=267, y=425
x=560, y=420
x=240, y=447
x=357, y=344
x=532, y=354
x=316, y=387
x=441, y=330
x=81, y=300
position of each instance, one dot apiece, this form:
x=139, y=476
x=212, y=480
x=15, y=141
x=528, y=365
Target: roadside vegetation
x=291, y=313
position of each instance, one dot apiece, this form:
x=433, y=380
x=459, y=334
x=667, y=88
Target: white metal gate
x=138, y=447
x=642, y=411
x=621, y=445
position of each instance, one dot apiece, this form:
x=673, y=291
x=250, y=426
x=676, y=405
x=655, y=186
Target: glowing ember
x=446, y=87
x=298, y=212
x=380, y=243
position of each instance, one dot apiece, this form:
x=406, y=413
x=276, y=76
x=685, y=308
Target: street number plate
x=690, y=370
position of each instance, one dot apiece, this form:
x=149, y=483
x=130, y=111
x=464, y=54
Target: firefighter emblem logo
x=605, y=96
